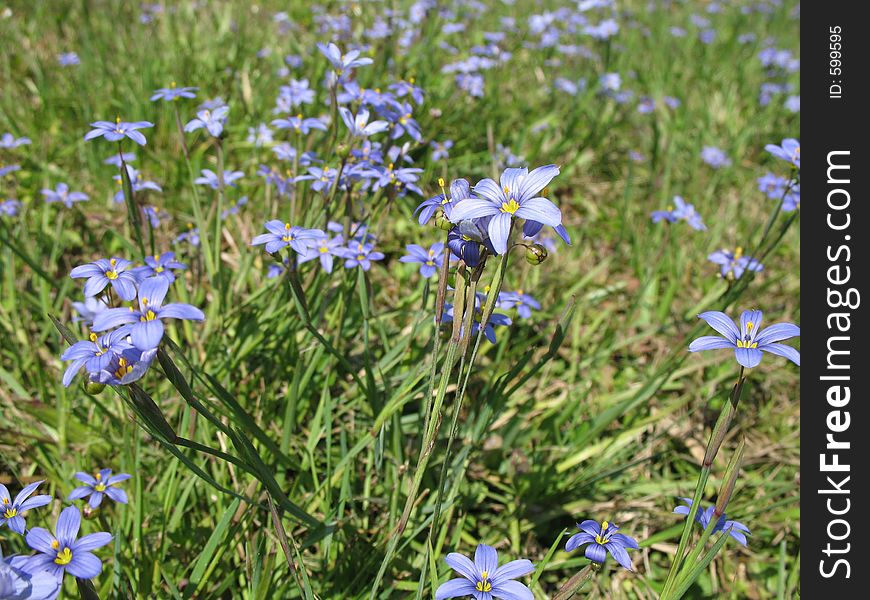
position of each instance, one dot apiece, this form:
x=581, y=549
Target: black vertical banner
x=835, y=420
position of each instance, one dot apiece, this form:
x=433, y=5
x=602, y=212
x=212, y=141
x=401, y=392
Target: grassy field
x=300, y=442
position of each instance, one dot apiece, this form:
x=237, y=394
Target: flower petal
x=84, y=565
x=512, y=590
x=537, y=180
x=783, y=350
x=455, y=588
x=721, y=323
x=486, y=559
x=618, y=552
x=147, y=334
x=462, y=565
x=596, y=553
x=91, y=542
x=710, y=342
x=39, y=539
x=577, y=540
x=472, y=208
x=512, y=570
x=777, y=333
x=748, y=357
x=68, y=524
x=499, y=231
x=540, y=210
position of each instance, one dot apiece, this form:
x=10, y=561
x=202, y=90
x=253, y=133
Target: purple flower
x=515, y=197
x=602, y=539
x=793, y=104
x=467, y=242
x=789, y=151
x=118, y=130
x=190, y=236
x=360, y=254
x=484, y=579
x=680, y=211
x=94, y=354
x=324, y=249
x=61, y=193
x=159, y=265
x=99, y=485
x=282, y=234
x=174, y=93
x=441, y=150
x=64, y=553
x=494, y=319
x=137, y=183
x=260, y=135
x=212, y=119
x=459, y=191
x=342, y=62
x=430, y=260
x=359, y=125
x=115, y=159
x=9, y=141
x=9, y=169
x=297, y=123
x=750, y=340
x=146, y=323
x=10, y=207
x=735, y=529
x=126, y=367
x=211, y=179
x=734, y=263
x=19, y=581
x=68, y=59
x=102, y=272
x=522, y=301
x=715, y=157
x=13, y=509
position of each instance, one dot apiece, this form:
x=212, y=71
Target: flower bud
x=93, y=388
x=343, y=151
x=536, y=254
x=441, y=220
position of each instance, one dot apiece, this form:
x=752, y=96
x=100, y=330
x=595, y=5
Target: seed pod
x=536, y=254
x=93, y=388
x=441, y=220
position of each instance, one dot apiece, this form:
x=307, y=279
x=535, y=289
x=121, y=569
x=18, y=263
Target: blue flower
x=494, y=319
x=733, y=264
x=715, y=157
x=159, y=265
x=484, y=579
x=735, y=529
x=517, y=196
x=94, y=354
x=360, y=254
x=9, y=169
x=61, y=193
x=68, y=59
x=789, y=151
x=173, y=93
x=750, y=340
x=137, y=183
x=324, y=249
x=146, y=323
x=118, y=130
x=9, y=141
x=102, y=272
x=13, y=509
x=468, y=240
x=99, y=485
x=680, y=211
x=602, y=539
x=283, y=234
x=64, y=553
x=115, y=159
x=126, y=367
x=211, y=179
x=359, y=125
x=430, y=260
x=441, y=150
x=299, y=124
x=459, y=190
x=20, y=581
x=522, y=301
x=213, y=120
x=10, y=207
x=342, y=62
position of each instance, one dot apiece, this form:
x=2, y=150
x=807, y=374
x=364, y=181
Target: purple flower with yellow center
x=118, y=130
x=494, y=319
x=173, y=93
x=522, y=301
x=342, y=62
x=602, y=539
x=126, y=367
x=430, y=260
x=750, y=341
x=459, y=190
x=359, y=125
x=282, y=234
x=360, y=254
x=61, y=193
x=101, y=483
x=325, y=250
x=321, y=178
x=64, y=553
x=484, y=579
x=299, y=124
x=94, y=354
x=102, y=272
x=137, y=183
x=735, y=529
x=680, y=210
x=733, y=264
x=191, y=236
x=516, y=196
x=11, y=510
x=441, y=150
x=159, y=265
x=213, y=120
x=789, y=150
x=212, y=180
x=401, y=177
x=468, y=240
x=145, y=325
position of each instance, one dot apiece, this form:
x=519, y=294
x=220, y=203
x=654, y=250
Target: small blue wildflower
x=159, y=265
x=94, y=354
x=126, y=367
x=137, y=183
x=115, y=159
x=325, y=249
x=9, y=141
x=98, y=485
x=484, y=579
x=173, y=93
x=407, y=88
x=13, y=510
x=441, y=150
x=735, y=529
x=341, y=63
x=299, y=124
x=10, y=207
x=260, y=135
x=789, y=150
x=750, y=341
x=20, y=581
x=495, y=318
x=9, y=169
x=145, y=325
x=102, y=272
x=517, y=196
x=430, y=260
x=715, y=157
x=61, y=193
x=359, y=125
x=793, y=104
x=64, y=553
x=88, y=309
x=211, y=179
x=68, y=59
x=235, y=208
x=733, y=264
x=118, y=130
x=680, y=211
x=459, y=191
x=522, y=301
x=213, y=120
x=360, y=254
x=282, y=234
x=191, y=236
x=468, y=240
x=602, y=539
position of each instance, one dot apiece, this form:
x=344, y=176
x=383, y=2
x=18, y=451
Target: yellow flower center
x=511, y=206
x=148, y=316
x=484, y=584
x=10, y=512
x=64, y=557
x=5, y=500
x=159, y=269
x=100, y=487
x=123, y=369
x=113, y=274
x=599, y=539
